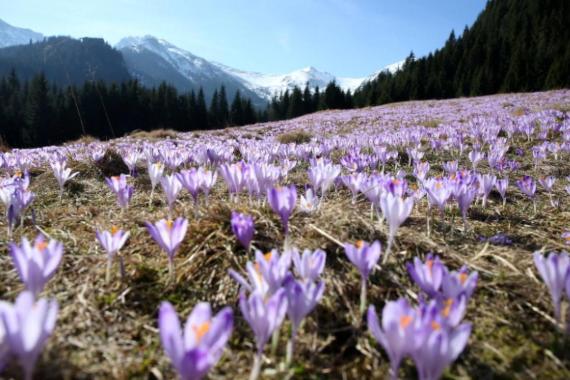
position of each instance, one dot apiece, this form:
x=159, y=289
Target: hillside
x=65, y=61
x=110, y=329
x=514, y=45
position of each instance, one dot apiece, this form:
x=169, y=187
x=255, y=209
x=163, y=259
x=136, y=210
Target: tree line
x=513, y=46
x=38, y=113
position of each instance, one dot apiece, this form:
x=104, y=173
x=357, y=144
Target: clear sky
x=344, y=37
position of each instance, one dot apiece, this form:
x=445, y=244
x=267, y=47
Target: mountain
x=11, y=35
x=65, y=61
x=153, y=60
x=267, y=85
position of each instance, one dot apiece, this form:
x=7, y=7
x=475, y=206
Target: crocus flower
x=155, y=173
x=122, y=190
x=273, y=267
x=501, y=185
x=111, y=242
x=396, y=210
x=282, y=201
x=302, y=297
x=197, y=348
x=486, y=183
x=168, y=235
x=427, y=275
x=464, y=194
x=364, y=256
x=547, y=183
x=554, y=272
x=117, y=183
x=456, y=283
x=242, y=227
x=62, y=174
x=440, y=348
x=28, y=324
x=36, y=264
x=309, y=202
x=264, y=316
x=309, y=265
x=527, y=186
x=191, y=181
x=171, y=187
x=124, y=196
x=401, y=331
x=438, y=192
x=207, y=181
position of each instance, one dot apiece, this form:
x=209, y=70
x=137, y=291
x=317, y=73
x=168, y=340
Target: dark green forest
x=513, y=46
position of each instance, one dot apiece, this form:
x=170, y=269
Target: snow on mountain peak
x=11, y=35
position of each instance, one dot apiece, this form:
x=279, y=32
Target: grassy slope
x=110, y=331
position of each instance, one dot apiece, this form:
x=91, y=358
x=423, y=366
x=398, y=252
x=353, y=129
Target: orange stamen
x=201, y=330
x=435, y=325
x=462, y=278
x=448, y=303
x=114, y=230
x=429, y=264
x=41, y=245
x=405, y=321
x=169, y=224
x=359, y=244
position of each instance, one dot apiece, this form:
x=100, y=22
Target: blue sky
x=344, y=37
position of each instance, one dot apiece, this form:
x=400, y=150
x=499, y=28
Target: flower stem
x=108, y=273
x=171, y=271
x=363, y=295
x=256, y=369
x=291, y=347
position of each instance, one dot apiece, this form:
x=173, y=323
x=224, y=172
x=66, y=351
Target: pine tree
x=224, y=109
x=236, y=113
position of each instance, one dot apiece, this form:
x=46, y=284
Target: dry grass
x=298, y=137
x=110, y=331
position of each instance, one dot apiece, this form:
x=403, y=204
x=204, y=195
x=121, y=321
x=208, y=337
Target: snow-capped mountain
x=153, y=60
x=11, y=35
x=267, y=85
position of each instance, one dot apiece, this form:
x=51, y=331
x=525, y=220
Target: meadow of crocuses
x=412, y=240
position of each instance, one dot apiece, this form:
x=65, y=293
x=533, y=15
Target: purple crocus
x=364, y=256
x=427, y=275
x=243, y=228
x=111, y=242
x=191, y=181
x=396, y=210
x=62, y=174
x=501, y=185
x=155, y=173
x=28, y=324
x=168, y=235
x=282, y=201
x=264, y=316
x=302, y=297
x=456, y=283
x=486, y=183
x=440, y=348
x=464, y=194
x=197, y=348
x=122, y=190
x=554, y=272
x=400, y=333
x=37, y=263
x=309, y=265
x=273, y=267
x=171, y=187
x=527, y=186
